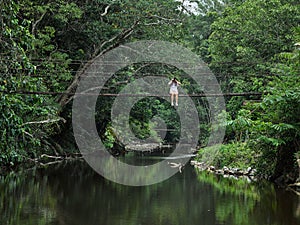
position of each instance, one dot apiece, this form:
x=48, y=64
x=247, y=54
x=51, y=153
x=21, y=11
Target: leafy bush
x=234, y=155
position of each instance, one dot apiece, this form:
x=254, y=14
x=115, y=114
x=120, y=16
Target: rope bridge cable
x=45, y=73
x=24, y=92
x=78, y=61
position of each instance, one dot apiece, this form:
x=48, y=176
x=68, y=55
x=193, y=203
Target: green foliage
x=22, y=70
x=251, y=48
x=272, y=125
x=152, y=118
x=232, y=155
x=244, y=42
x=242, y=35
x=240, y=125
x=110, y=138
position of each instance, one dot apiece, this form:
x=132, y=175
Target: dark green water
x=72, y=194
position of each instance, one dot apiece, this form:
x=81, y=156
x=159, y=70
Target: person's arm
x=170, y=82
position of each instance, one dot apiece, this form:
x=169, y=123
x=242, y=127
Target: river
x=71, y=193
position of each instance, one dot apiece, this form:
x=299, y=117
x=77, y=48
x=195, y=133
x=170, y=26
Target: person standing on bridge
x=174, y=83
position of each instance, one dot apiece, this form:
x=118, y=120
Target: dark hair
x=174, y=80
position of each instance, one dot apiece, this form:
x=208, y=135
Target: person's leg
x=176, y=99
x=172, y=99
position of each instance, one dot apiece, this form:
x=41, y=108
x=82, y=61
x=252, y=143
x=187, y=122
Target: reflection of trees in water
x=26, y=199
x=243, y=202
x=73, y=194
x=93, y=200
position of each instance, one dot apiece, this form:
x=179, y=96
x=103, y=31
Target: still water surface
x=73, y=194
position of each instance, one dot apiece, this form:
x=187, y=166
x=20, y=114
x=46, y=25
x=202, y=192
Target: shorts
x=173, y=90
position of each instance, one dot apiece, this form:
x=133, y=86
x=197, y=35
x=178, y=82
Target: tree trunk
x=286, y=169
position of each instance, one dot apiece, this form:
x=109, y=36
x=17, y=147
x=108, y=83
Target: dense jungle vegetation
x=251, y=46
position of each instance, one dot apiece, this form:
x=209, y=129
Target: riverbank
x=238, y=159
x=225, y=171
x=41, y=161
x=236, y=173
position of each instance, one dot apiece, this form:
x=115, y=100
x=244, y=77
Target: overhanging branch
x=115, y=41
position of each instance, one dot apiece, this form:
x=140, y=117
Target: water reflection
x=72, y=194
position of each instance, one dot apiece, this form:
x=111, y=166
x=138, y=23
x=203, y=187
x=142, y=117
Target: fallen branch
x=52, y=157
x=45, y=121
x=50, y=163
x=293, y=190
x=295, y=185
x=176, y=165
x=56, y=159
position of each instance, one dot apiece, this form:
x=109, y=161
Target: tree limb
x=65, y=98
x=28, y=134
x=36, y=22
x=164, y=19
x=105, y=10
x=121, y=36
x=161, y=20
x=51, y=156
x=44, y=121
